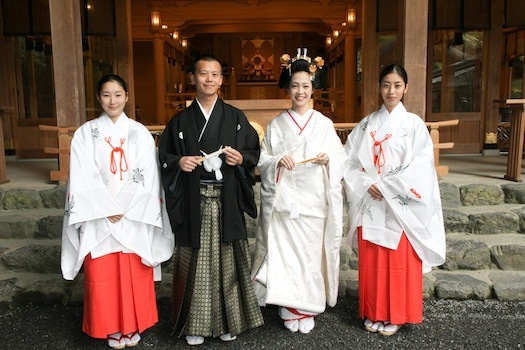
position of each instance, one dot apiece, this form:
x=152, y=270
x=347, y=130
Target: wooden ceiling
x=192, y=17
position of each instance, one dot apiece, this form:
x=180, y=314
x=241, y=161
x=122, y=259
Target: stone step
x=459, y=285
x=31, y=223
x=467, y=252
x=464, y=252
x=50, y=288
x=485, y=220
x=474, y=252
x=485, y=249
x=481, y=220
x=16, y=220
x=454, y=196
x=38, y=288
x=30, y=255
x=13, y=199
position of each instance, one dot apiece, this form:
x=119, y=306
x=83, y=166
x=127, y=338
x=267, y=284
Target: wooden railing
x=342, y=129
x=64, y=145
x=65, y=135
x=442, y=170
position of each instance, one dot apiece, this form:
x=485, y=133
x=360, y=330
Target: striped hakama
x=212, y=290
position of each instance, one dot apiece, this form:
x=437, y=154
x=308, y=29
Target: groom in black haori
x=208, y=154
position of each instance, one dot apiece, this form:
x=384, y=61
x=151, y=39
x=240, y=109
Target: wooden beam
x=492, y=74
x=68, y=62
x=3, y=172
x=125, y=51
x=160, y=78
x=8, y=90
x=350, y=82
x=370, y=57
x=415, y=39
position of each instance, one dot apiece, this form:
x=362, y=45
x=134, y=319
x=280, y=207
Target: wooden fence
x=65, y=134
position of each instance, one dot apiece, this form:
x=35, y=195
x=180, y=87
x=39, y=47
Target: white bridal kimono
x=405, y=173
x=297, y=255
x=114, y=170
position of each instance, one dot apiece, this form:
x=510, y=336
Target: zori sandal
x=131, y=339
x=390, y=329
x=227, y=337
x=116, y=341
x=373, y=327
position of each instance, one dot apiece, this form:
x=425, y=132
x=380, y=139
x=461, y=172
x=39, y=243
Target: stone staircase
x=485, y=247
x=485, y=226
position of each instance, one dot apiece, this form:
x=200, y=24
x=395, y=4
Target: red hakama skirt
x=119, y=295
x=390, y=282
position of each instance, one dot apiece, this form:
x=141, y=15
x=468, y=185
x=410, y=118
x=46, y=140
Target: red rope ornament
x=123, y=164
x=379, y=154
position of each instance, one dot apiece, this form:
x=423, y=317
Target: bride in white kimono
x=394, y=208
x=302, y=160
x=115, y=225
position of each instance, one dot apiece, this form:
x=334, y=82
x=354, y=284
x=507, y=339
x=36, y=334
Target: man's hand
x=189, y=163
x=233, y=157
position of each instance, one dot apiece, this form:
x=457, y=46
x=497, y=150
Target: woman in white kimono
x=114, y=225
x=302, y=161
x=394, y=209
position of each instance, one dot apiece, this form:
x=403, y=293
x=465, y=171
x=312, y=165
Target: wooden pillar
x=125, y=51
x=350, y=80
x=31, y=109
x=370, y=58
x=415, y=37
x=517, y=131
x=3, y=172
x=8, y=90
x=233, y=85
x=492, y=73
x=68, y=68
x=160, y=79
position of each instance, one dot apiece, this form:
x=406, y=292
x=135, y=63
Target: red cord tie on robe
x=123, y=164
x=296, y=123
x=379, y=154
x=300, y=132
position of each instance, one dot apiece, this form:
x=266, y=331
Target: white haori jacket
x=114, y=170
x=316, y=192
x=404, y=171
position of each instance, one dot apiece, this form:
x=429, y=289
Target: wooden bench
x=343, y=129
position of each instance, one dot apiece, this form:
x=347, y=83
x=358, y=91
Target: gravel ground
x=447, y=324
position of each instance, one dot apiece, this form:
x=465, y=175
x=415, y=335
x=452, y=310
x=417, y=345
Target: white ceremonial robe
x=308, y=197
x=104, y=183
x=407, y=180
